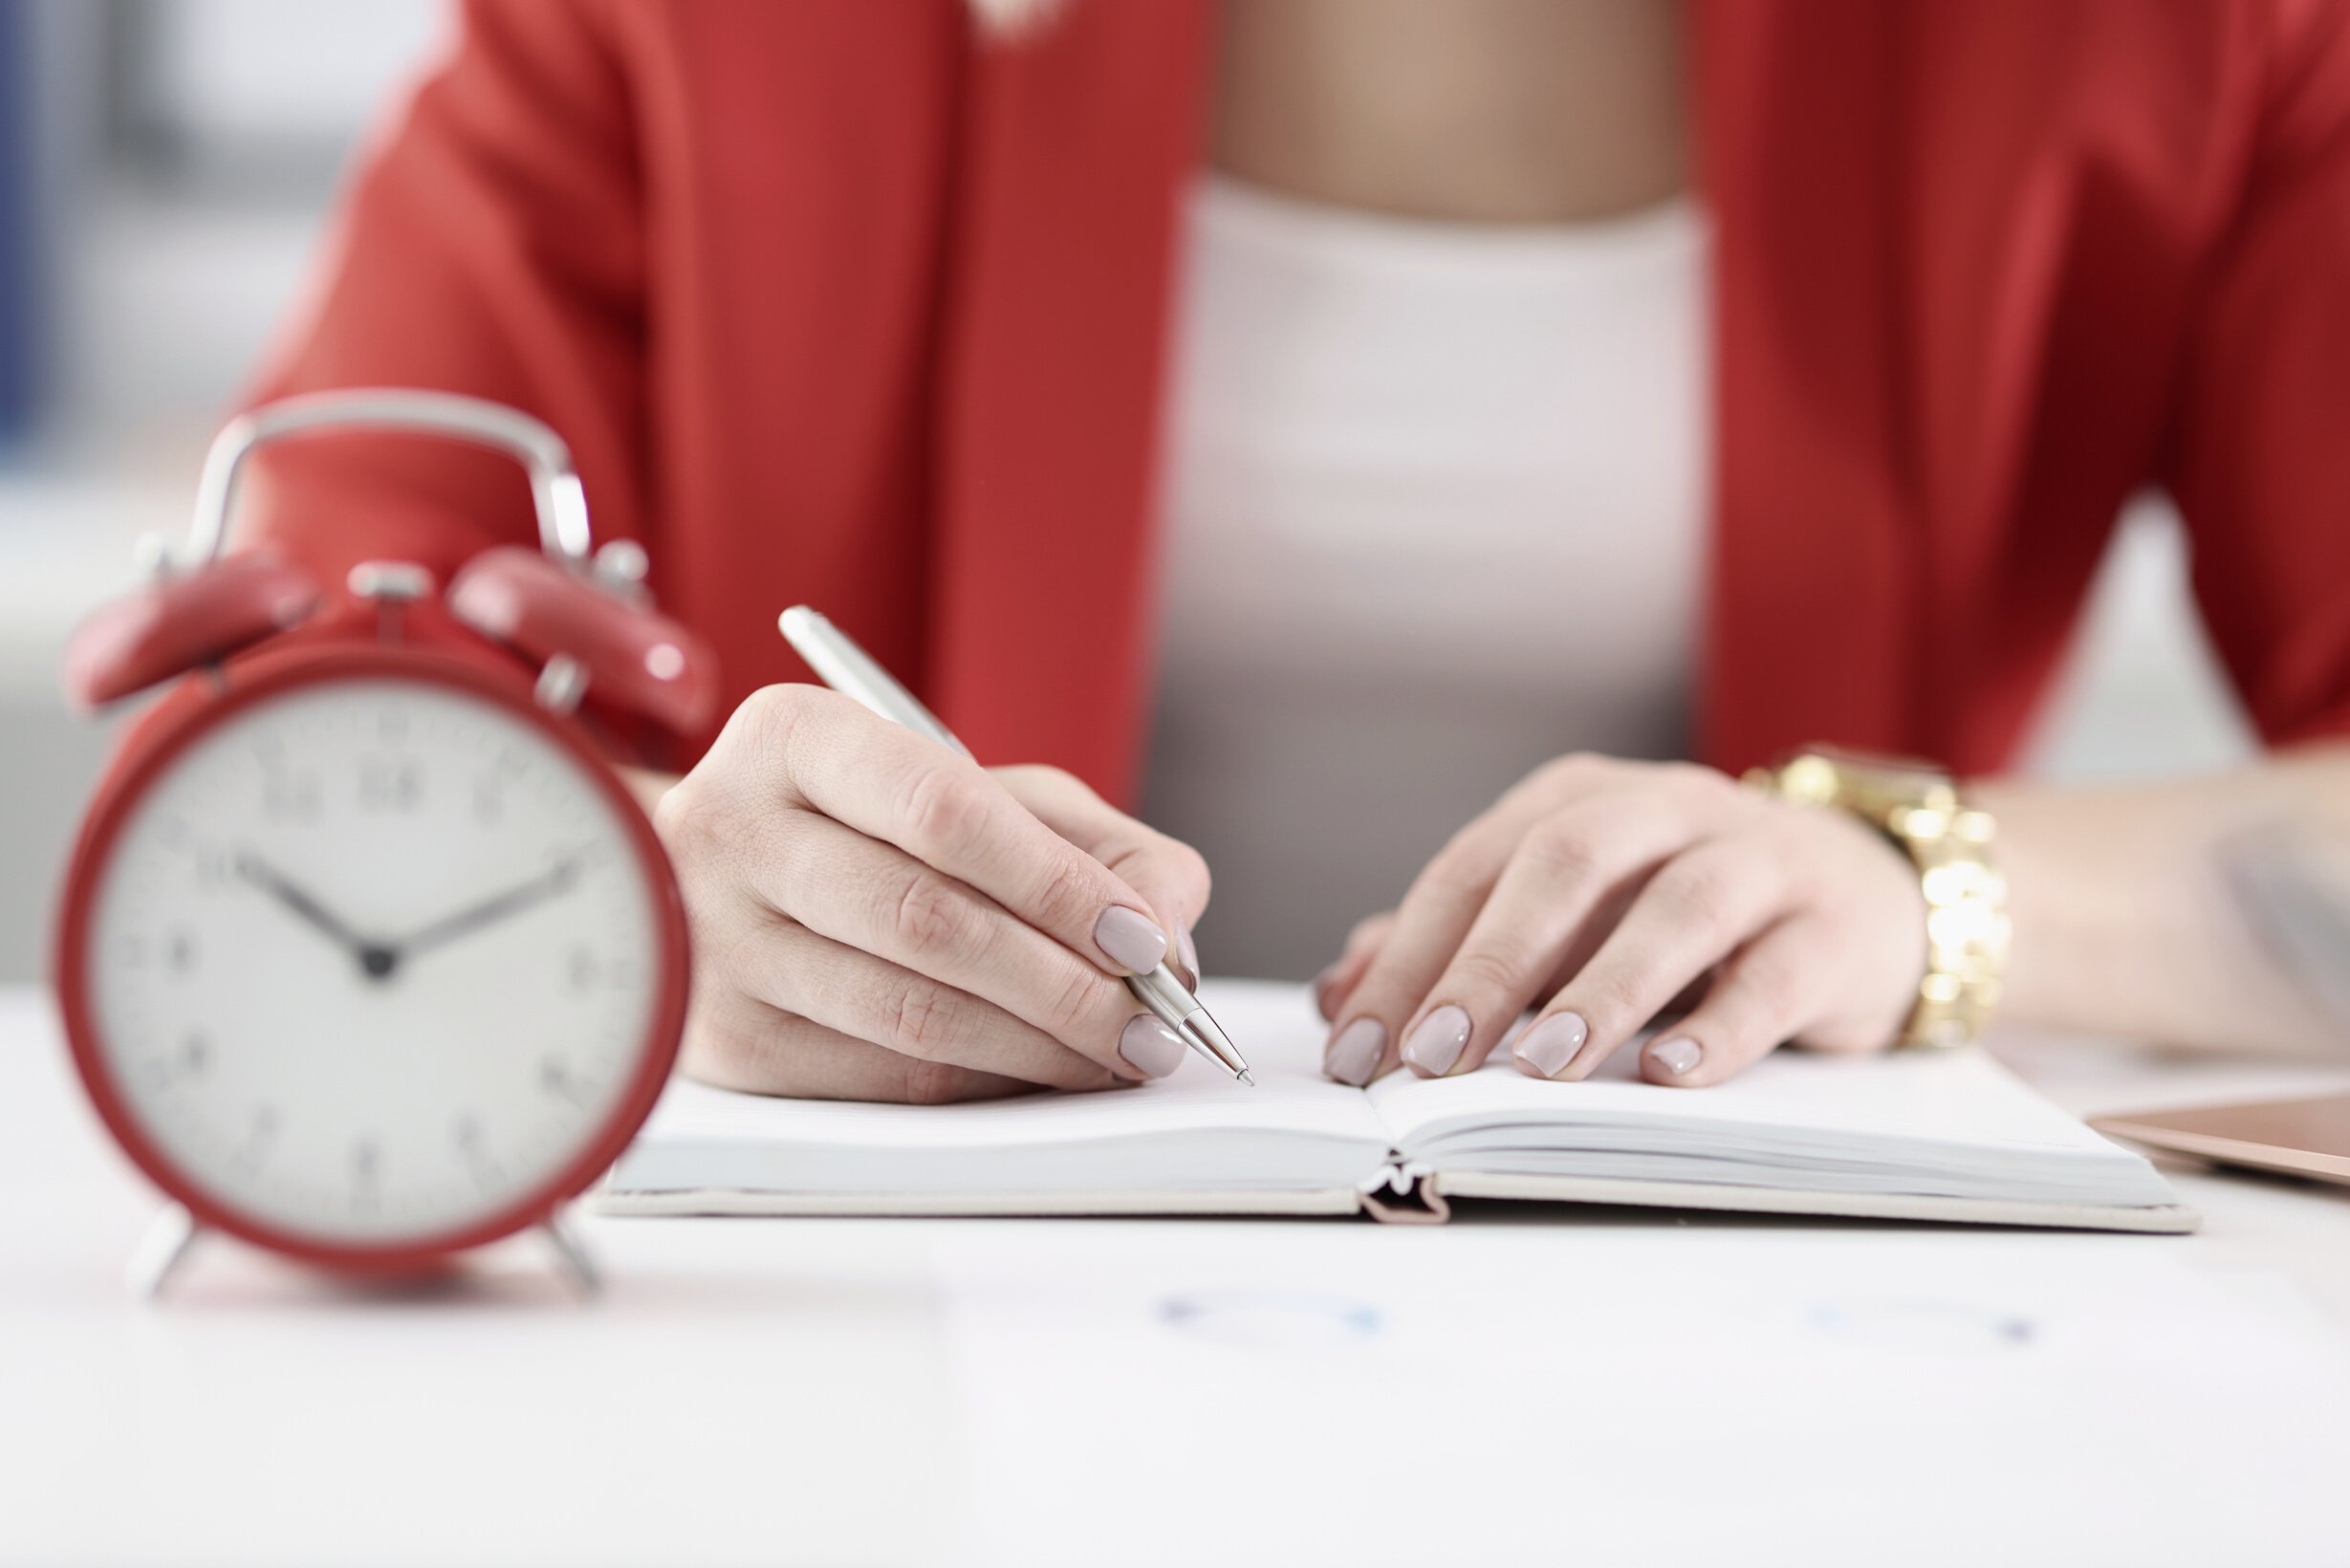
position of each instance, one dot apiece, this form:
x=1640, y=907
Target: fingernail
x=1190, y=955
x=1546, y=1049
x=1437, y=1043
x=1130, y=938
x=1151, y=1048
x=1678, y=1056
x=1354, y=1052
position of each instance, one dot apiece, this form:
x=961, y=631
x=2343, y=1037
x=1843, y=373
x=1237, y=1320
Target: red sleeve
x=2259, y=450
x=492, y=245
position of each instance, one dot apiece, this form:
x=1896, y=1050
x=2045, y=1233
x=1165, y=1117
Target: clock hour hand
x=372, y=957
x=490, y=911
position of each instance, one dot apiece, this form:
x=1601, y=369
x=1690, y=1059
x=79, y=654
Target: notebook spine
x=1403, y=1195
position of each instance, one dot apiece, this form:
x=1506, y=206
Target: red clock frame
x=162, y=739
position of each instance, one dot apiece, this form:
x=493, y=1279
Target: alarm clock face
x=371, y=962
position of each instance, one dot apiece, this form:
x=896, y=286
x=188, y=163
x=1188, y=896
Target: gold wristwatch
x=1918, y=807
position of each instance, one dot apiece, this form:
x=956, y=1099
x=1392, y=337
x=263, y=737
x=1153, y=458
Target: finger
x=1428, y=924
x=1569, y=864
x=1701, y=906
x=878, y=900
x=1437, y=913
x=799, y=972
x=891, y=784
x=1334, y=989
x=1186, y=959
x=1334, y=984
x=736, y=1042
x=1169, y=873
x=1765, y=995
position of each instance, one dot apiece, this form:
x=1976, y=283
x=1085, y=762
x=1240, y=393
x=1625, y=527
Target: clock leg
x=160, y=1250
x=574, y=1257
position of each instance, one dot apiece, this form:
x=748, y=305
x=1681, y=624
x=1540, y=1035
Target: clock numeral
x=212, y=868
x=179, y=952
x=366, y=1162
x=584, y=970
x=488, y=799
x=259, y=1133
x=158, y=1074
x=467, y=1133
x=556, y=1079
x=290, y=797
x=390, y=783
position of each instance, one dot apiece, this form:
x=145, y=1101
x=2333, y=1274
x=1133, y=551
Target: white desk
x=786, y=1391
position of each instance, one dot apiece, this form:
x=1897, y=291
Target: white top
x=1434, y=513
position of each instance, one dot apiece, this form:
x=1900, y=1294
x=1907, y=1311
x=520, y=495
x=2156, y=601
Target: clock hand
x=489, y=911
x=374, y=958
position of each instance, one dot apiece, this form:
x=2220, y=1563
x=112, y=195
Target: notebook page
x=1272, y=1025
x=1955, y=1097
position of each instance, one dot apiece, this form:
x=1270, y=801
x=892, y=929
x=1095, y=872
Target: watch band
x=1967, y=928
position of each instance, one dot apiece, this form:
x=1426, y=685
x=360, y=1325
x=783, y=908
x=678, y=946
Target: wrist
x=1950, y=845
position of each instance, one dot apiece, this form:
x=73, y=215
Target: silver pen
x=853, y=672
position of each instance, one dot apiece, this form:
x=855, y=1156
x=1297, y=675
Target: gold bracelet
x=1968, y=934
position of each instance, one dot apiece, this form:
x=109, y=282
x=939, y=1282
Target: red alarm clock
x=366, y=953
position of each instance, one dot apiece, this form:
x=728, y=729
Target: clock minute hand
x=372, y=957
x=490, y=911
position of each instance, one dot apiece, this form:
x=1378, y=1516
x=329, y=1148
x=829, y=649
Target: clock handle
x=554, y=483
x=560, y=602
x=557, y=602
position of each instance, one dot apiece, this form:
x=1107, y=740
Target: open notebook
x=1912, y=1136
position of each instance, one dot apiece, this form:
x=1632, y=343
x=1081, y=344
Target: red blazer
x=838, y=304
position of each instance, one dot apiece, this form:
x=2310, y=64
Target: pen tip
x=1208, y=1038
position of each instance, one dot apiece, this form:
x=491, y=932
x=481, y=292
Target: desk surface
x=867, y=1391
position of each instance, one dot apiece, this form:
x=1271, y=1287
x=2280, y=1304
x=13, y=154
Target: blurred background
x=165, y=169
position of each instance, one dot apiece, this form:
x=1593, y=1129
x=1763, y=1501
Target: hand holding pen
x=878, y=917
x=853, y=672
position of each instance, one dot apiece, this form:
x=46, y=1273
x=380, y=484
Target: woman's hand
x=1603, y=890
x=876, y=917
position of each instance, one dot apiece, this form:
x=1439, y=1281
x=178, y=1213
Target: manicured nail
x=1437, y=1043
x=1546, y=1049
x=1130, y=938
x=1354, y=1052
x=1151, y=1048
x=1678, y=1056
